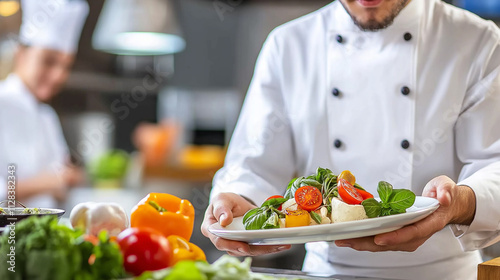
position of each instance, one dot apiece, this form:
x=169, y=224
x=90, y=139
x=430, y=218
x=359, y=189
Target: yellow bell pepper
x=165, y=213
x=347, y=175
x=183, y=250
x=297, y=218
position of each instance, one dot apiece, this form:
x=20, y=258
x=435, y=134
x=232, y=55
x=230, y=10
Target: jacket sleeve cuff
x=485, y=228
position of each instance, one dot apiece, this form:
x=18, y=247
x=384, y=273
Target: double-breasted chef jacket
x=404, y=105
x=31, y=138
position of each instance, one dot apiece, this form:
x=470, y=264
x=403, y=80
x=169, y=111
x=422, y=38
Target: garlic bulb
x=93, y=217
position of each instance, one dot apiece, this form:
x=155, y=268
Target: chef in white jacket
x=31, y=138
x=402, y=91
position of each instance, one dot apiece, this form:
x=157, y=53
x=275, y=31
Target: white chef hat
x=53, y=24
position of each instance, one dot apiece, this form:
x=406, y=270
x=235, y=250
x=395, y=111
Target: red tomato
x=348, y=193
x=364, y=194
x=144, y=249
x=275, y=196
x=308, y=198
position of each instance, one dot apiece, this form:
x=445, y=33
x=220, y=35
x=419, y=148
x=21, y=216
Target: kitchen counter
x=489, y=270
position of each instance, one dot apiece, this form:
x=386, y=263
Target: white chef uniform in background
x=405, y=104
x=30, y=131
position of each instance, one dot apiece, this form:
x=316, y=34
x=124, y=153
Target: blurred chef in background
x=31, y=137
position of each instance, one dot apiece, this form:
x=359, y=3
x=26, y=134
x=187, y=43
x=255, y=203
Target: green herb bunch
x=46, y=250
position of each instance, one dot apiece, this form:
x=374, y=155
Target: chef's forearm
x=40, y=184
x=464, y=205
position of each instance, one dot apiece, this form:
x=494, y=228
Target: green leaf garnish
x=372, y=207
x=384, y=191
x=315, y=216
x=401, y=199
x=274, y=202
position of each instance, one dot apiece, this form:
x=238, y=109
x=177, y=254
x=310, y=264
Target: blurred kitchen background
x=156, y=116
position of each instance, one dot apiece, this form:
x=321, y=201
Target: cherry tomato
x=364, y=194
x=144, y=249
x=348, y=193
x=347, y=175
x=275, y=196
x=308, y=198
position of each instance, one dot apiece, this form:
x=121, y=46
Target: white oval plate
x=423, y=207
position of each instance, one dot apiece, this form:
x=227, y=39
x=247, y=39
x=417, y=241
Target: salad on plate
x=326, y=198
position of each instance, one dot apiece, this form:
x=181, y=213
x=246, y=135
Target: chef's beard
x=374, y=25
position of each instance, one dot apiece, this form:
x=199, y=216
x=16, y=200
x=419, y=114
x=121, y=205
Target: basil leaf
x=315, y=216
x=250, y=213
x=386, y=212
x=389, y=212
x=311, y=177
x=373, y=208
x=272, y=222
x=384, y=191
x=293, y=186
x=291, y=182
x=395, y=211
x=319, y=175
x=322, y=174
x=297, y=183
x=401, y=199
x=312, y=183
x=257, y=220
x=357, y=186
x=275, y=202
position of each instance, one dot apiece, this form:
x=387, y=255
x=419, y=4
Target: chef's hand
x=52, y=183
x=457, y=206
x=223, y=208
x=71, y=176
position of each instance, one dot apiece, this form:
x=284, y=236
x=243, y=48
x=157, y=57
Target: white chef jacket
x=30, y=137
x=404, y=105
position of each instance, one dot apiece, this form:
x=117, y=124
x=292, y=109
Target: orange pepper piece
x=165, y=213
x=297, y=218
x=183, y=250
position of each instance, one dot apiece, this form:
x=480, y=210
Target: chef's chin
x=374, y=18
x=373, y=24
x=44, y=95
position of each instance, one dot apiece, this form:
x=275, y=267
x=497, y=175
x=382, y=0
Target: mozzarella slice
x=343, y=212
x=290, y=205
x=282, y=223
